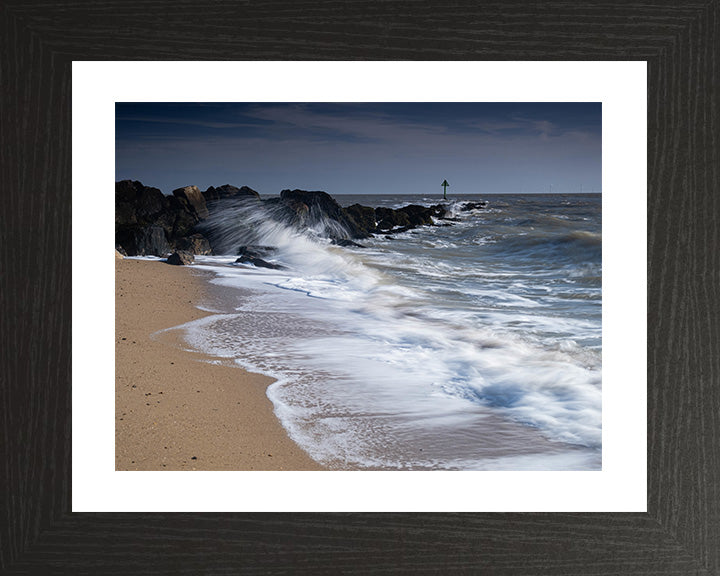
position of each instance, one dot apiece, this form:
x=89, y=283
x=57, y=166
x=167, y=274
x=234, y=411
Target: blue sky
x=362, y=148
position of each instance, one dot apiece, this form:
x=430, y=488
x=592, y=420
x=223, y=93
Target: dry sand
x=173, y=410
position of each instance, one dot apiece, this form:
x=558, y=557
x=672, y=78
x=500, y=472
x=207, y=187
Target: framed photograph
x=472, y=339
x=64, y=518
x=406, y=327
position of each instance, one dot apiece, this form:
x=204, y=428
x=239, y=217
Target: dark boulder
x=288, y=211
x=137, y=204
x=139, y=241
x=467, y=206
x=150, y=203
x=407, y=217
x=181, y=219
x=363, y=217
x=195, y=244
x=311, y=199
x=149, y=223
x=322, y=209
x=125, y=214
x=387, y=218
x=153, y=241
x=129, y=191
x=180, y=258
x=418, y=215
x=317, y=202
x=258, y=262
x=213, y=194
x=194, y=198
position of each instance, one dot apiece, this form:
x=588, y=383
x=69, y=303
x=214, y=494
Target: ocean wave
x=576, y=245
x=435, y=341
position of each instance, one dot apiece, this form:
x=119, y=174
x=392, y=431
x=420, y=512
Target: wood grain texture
x=681, y=532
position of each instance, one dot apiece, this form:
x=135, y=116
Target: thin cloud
x=187, y=122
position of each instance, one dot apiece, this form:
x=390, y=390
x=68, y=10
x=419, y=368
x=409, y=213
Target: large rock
x=468, y=206
x=322, y=209
x=137, y=204
x=225, y=191
x=181, y=218
x=138, y=241
x=153, y=241
x=194, y=198
x=258, y=262
x=288, y=211
x=363, y=217
x=418, y=215
x=180, y=258
x=195, y=244
x=387, y=218
x=315, y=198
x=149, y=223
x=125, y=214
x=150, y=203
x=407, y=217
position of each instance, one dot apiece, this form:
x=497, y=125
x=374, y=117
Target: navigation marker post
x=444, y=185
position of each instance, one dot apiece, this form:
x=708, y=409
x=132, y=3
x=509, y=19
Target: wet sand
x=173, y=410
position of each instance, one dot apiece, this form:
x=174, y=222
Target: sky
x=362, y=148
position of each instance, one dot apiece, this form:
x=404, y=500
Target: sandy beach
x=174, y=410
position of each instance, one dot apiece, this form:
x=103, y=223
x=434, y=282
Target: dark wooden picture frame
x=680, y=533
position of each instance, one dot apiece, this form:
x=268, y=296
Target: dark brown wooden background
x=681, y=532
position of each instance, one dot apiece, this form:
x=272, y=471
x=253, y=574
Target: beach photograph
x=400, y=286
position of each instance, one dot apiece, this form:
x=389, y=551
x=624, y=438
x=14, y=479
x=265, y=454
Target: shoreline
x=174, y=410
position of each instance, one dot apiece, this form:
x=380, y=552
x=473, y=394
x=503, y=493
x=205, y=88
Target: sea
x=470, y=345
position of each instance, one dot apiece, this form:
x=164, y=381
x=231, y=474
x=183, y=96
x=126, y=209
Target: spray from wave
x=300, y=240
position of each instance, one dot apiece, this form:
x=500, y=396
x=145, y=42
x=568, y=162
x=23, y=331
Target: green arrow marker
x=445, y=185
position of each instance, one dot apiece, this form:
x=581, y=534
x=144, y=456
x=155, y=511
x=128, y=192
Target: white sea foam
x=417, y=353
